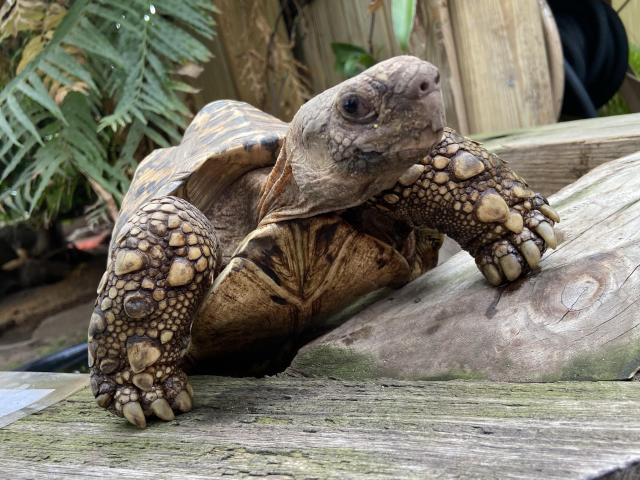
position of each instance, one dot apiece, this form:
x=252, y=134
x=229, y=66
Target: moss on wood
x=311, y=428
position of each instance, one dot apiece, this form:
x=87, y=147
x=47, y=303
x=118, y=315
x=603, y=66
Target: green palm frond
x=99, y=88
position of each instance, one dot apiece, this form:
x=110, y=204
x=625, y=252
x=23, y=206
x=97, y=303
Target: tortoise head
x=355, y=140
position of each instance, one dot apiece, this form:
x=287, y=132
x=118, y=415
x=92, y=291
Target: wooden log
x=577, y=318
x=553, y=156
x=283, y=428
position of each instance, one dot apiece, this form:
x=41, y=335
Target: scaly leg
x=474, y=197
x=161, y=266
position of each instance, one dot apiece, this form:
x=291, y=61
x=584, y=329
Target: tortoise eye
x=350, y=104
x=354, y=107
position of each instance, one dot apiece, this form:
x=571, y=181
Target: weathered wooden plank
x=553, y=45
x=577, y=318
x=552, y=156
x=503, y=63
x=345, y=21
x=309, y=428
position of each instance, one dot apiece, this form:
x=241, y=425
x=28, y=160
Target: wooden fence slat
x=347, y=21
x=240, y=50
x=503, y=63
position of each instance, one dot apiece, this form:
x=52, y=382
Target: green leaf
x=17, y=158
x=88, y=38
x=351, y=59
x=18, y=113
x=7, y=130
x=70, y=66
x=48, y=168
x=37, y=92
x=403, y=13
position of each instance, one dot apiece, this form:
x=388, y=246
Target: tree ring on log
x=563, y=294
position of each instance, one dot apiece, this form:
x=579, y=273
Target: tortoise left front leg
x=464, y=191
x=161, y=267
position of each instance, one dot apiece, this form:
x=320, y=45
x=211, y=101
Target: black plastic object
x=596, y=53
x=67, y=360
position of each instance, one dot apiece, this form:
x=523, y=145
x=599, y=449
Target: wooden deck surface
x=308, y=428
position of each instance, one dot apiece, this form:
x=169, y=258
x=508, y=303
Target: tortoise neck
x=280, y=194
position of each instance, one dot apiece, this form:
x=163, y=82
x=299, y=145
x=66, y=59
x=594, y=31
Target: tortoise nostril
x=419, y=81
x=437, y=81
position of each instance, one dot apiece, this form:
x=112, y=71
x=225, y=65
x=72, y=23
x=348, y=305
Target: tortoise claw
x=132, y=411
x=510, y=266
x=531, y=253
x=183, y=401
x=162, y=410
x=492, y=274
x=550, y=212
x=104, y=399
x=545, y=231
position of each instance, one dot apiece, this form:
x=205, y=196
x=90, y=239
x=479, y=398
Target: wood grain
x=578, y=318
x=503, y=63
x=553, y=156
x=284, y=428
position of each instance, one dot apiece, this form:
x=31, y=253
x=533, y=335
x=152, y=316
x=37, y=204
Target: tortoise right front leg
x=470, y=194
x=160, y=269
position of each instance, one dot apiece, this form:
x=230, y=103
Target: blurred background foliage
x=87, y=89
x=353, y=59
x=617, y=105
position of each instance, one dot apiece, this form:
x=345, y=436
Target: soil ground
x=42, y=320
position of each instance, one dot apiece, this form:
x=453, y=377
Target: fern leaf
x=88, y=37
x=36, y=91
x=123, y=56
x=7, y=130
x=22, y=118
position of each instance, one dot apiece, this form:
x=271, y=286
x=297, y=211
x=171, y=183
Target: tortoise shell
x=225, y=140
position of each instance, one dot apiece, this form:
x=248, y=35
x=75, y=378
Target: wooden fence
x=500, y=60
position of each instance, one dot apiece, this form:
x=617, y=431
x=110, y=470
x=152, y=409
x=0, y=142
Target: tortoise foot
x=522, y=244
x=160, y=268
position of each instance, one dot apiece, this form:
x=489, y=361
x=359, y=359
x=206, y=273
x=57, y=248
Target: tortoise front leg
x=474, y=197
x=160, y=268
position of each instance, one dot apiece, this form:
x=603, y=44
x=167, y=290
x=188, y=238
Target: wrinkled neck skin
x=329, y=163
x=293, y=190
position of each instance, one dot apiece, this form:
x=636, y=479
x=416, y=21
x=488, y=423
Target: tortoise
x=250, y=235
